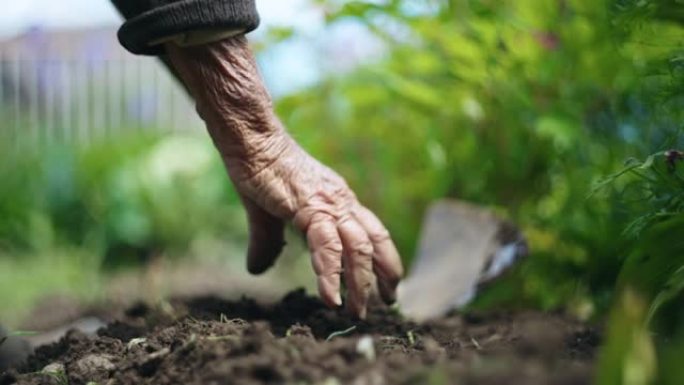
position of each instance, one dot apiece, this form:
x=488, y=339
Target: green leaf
x=673, y=288
x=657, y=257
x=628, y=356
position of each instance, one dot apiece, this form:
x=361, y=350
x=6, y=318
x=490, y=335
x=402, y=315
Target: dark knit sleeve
x=149, y=21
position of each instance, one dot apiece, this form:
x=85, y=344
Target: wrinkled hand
x=344, y=237
x=279, y=182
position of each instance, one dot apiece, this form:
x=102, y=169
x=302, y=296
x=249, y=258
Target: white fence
x=46, y=101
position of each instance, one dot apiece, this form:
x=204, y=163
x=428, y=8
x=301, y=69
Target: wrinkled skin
x=278, y=181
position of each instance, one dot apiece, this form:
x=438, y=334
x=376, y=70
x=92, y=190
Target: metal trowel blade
x=461, y=247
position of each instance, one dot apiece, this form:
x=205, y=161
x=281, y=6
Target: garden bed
x=299, y=341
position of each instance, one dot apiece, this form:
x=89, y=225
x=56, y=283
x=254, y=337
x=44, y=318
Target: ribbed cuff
x=138, y=33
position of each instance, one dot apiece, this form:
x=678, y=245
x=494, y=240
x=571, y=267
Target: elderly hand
x=279, y=181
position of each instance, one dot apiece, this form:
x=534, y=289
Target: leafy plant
x=656, y=188
x=652, y=277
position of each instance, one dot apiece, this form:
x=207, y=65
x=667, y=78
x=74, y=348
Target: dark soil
x=214, y=341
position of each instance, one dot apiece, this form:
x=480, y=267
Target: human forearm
x=231, y=98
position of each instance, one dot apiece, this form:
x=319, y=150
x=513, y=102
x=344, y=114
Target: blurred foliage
x=124, y=201
x=522, y=105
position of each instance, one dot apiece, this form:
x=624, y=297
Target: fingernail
x=338, y=299
x=362, y=313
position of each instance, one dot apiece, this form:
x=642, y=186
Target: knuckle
x=330, y=273
x=326, y=264
x=318, y=218
x=344, y=193
x=339, y=194
x=332, y=246
x=380, y=236
x=314, y=215
x=316, y=226
x=343, y=218
x=363, y=247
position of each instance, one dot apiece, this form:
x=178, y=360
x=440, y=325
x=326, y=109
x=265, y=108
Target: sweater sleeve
x=149, y=22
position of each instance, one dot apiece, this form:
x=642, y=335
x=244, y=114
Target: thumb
x=266, y=237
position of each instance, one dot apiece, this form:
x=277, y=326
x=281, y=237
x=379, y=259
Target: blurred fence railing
x=46, y=101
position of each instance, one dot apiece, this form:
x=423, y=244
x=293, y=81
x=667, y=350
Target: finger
x=358, y=265
x=266, y=237
x=386, y=260
x=326, y=257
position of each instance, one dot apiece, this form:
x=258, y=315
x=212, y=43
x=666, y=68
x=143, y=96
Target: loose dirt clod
x=213, y=341
x=93, y=367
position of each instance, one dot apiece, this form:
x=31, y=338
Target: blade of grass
x=340, y=333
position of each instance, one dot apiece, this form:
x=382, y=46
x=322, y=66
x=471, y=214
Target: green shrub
x=124, y=201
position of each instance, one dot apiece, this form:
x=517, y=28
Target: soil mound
x=299, y=341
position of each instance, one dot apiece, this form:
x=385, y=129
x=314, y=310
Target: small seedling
x=60, y=377
x=340, y=333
